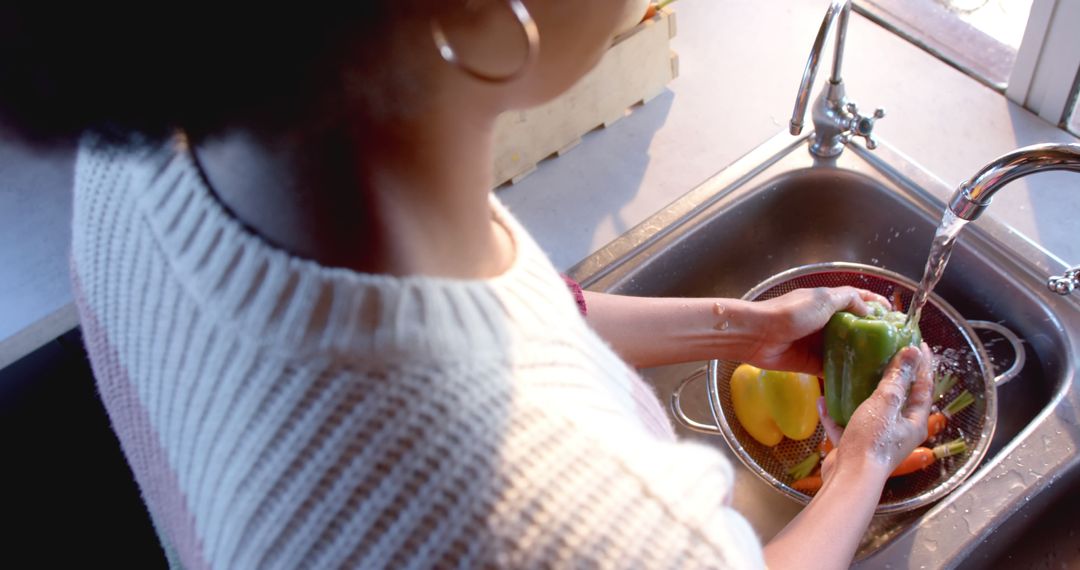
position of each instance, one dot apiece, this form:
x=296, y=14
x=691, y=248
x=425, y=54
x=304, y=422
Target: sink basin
x=778, y=208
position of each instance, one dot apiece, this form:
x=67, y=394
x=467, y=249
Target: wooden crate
x=634, y=70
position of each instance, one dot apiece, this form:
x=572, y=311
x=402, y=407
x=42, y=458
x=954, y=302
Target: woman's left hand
x=779, y=334
x=789, y=326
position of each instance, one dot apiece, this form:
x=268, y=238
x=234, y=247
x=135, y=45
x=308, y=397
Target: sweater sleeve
x=581, y=497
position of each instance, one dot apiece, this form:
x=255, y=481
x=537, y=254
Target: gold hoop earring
x=528, y=28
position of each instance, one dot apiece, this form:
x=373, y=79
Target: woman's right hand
x=887, y=426
x=882, y=432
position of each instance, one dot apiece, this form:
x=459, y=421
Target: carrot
x=923, y=457
x=935, y=424
x=808, y=485
x=655, y=7
x=825, y=446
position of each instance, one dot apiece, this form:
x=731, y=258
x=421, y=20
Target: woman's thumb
x=832, y=430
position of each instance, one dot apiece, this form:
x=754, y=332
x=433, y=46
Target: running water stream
x=940, y=250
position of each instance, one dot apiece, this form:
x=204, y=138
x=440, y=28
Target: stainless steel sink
x=778, y=208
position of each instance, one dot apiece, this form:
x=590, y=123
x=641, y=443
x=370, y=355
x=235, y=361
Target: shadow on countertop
x=569, y=217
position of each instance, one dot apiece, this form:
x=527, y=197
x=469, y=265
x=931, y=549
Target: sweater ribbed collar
x=294, y=304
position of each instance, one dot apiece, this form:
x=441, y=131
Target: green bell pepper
x=857, y=349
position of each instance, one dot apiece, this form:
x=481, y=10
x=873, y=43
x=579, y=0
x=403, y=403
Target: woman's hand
x=779, y=334
x=883, y=430
x=891, y=422
x=789, y=327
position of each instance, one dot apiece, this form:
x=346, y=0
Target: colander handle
x=1017, y=346
x=676, y=406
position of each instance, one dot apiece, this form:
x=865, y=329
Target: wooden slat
x=634, y=70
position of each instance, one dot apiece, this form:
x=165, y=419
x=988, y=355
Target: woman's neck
x=402, y=199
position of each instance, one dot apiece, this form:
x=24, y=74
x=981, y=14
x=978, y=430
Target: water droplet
x=1017, y=486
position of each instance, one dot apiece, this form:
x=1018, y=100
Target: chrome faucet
x=836, y=120
x=973, y=196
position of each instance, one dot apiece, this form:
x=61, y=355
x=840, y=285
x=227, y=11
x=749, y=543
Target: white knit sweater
x=281, y=414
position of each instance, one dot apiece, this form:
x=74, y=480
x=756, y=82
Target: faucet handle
x=1065, y=284
x=862, y=126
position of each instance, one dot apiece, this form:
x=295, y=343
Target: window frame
x=1046, y=76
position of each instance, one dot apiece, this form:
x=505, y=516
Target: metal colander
x=959, y=352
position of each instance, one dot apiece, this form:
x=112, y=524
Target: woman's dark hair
x=146, y=70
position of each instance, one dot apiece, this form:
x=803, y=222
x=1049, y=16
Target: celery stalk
x=958, y=404
x=804, y=467
x=942, y=384
x=954, y=447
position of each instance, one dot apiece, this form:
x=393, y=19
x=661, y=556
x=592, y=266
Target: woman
x=322, y=341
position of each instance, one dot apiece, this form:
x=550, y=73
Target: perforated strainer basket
x=950, y=336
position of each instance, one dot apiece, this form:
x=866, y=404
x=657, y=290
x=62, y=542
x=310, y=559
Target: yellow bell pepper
x=771, y=405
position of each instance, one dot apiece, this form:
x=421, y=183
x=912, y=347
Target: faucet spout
x=973, y=196
x=838, y=8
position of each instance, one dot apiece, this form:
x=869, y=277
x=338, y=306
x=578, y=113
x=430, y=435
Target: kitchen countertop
x=35, y=218
x=726, y=101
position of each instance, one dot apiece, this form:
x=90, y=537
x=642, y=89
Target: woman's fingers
x=868, y=296
x=855, y=300
x=899, y=376
x=847, y=299
x=917, y=408
x=832, y=430
x=827, y=465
